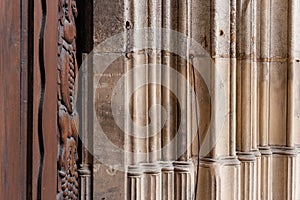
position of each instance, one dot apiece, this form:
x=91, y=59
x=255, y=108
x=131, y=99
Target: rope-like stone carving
x=67, y=186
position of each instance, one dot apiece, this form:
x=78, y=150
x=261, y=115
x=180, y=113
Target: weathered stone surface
x=108, y=19
x=254, y=47
x=108, y=22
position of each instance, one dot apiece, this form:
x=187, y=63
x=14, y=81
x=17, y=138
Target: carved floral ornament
x=67, y=114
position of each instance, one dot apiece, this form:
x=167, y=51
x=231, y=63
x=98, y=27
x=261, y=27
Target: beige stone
x=255, y=49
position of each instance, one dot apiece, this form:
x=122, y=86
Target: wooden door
x=31, y=67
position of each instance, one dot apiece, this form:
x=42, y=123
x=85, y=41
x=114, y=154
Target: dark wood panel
x=11, y=183
x=45, y=100
x=50, y=102
x=28, y=99
x=36, y=98
x=26, y=80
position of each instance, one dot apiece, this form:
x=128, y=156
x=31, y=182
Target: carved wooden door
x=253, y=87
x=38, y=69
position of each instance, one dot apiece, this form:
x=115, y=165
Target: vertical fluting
x=128, y=139
x=247, y=180
x=297, y=188
x=84, y=170
x=266, y=174
x=264, y=35
x=220, y=78
x=254, y=76
x=245, y=114
x=233, y=87
x=213, y=41
x=200, y=33
x=154, y=73
x=254, y=46
x=278, y=72
x=283, y=183
x=190, y=83
x=128, y=143
x=256, y=60
x=167, y=181
x=244, y=67
x=248, y=176
x=140, y=95
x=169, y=101
x=189, y=107
x=291, y=177
x=247, y=69
x=183, y=180
x=284, y=49
x=257, y=182
x=264, y=80
x=85, y=183
x=293, y=68
x=182, y=90
x=220, y=167
x=136, y=96
x=151, y=182
x=134, y=181
x=294, y=75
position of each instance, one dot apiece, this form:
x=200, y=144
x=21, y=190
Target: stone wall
x=255, y=52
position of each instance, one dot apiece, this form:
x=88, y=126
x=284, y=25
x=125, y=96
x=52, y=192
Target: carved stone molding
x=255, y=50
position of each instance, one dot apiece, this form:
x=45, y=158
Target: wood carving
x=67, y=115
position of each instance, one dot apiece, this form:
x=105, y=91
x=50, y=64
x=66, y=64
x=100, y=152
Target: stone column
x=219, y=165
x=134, y=183
x=183, y=180
x=167, y=181
x=151, y=181
x=247, y=98
x=154, y=77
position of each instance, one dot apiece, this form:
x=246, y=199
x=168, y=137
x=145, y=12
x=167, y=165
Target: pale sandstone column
x=247, y=97
x=136, y=16
x=128, y=143
x=183, y=180
x=284, y=158
x=190, y=84
x=182, y=91
x=200, y=25
x=284, y=173
x=264, y=24
x=280, y=135
x=140, y=95
x=297, y=181
x=154, y=75
x=134, y=183
x=226, y=171
x=151, y=182
x=167, y=181
x=293, y=129
x=294, y=74
x=255, y=50
x=278, y=52
x=219, y=169
x=169, y=100
x=266, y=173
x=293, y=125
x=85, y=130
